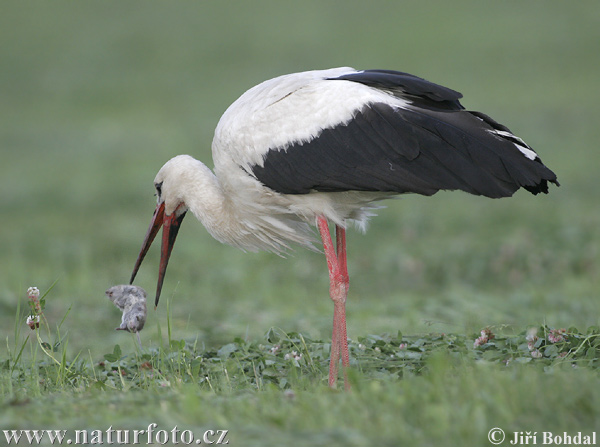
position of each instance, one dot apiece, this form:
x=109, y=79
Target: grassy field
x=97, y=96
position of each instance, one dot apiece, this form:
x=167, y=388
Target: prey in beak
x=170, y=224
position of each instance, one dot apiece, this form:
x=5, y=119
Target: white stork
x=322, y=146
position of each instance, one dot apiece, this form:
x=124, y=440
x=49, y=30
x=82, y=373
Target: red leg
x=338, y=290
x=340, y=233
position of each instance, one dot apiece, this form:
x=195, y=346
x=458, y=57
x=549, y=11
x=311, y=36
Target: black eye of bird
x=158, y=187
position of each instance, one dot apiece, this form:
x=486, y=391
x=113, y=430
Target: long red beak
x=170, y=226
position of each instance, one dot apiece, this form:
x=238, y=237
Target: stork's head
x=170, y=210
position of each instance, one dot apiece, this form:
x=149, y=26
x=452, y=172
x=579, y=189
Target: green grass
x=100, y=95
x=420, y=389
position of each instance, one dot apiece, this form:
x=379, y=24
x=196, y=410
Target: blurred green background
x=96, y=96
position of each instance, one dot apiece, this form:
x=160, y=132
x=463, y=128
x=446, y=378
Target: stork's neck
x=205, y=198
x=232, y=218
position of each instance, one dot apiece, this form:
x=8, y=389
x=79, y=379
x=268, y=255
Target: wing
x=407, y=86
x=425, y=143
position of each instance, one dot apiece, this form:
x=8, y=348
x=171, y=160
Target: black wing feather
x=405, y=85
x=432, y=145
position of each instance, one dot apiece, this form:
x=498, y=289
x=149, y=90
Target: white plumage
x=266, y=116
x=235, y=211
x=322, y=146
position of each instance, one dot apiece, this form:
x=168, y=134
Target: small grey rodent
x=132, y=301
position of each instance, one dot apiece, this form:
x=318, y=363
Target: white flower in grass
x=531, y=335
x=293, y=355
x=557, y=335
x=33, y=321
x=33, y=292
x=536, y=354
x=274, y=350
x=531, y=338
x=485, y=336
